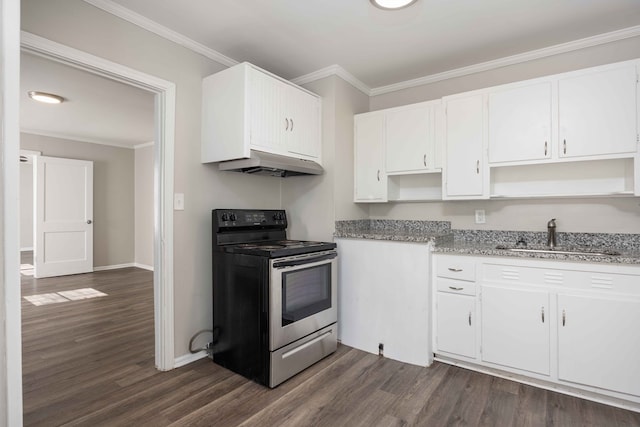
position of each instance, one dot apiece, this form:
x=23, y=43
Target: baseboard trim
x=189, y=358
x=113, y=267
x=143, y=266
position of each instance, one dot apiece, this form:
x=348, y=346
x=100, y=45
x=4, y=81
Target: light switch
x=480, y=217
x=178, y=201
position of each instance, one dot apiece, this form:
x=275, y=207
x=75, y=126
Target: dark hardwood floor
x=90, y=363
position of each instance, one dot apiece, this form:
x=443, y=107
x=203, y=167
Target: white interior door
x=63, y=216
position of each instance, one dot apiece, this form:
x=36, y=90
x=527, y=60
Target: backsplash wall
x=587, y=215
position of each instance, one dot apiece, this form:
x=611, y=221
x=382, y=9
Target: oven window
x=305, y=292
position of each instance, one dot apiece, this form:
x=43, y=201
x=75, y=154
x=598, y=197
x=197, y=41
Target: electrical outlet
x=480, y=217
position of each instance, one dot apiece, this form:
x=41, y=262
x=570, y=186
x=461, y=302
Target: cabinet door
x=409, y=140
x=370, y=178
x=599, y=342
x=515, y=328
x=267, y=98
x=456, y=324
x=464, y=168
x=520, y=123
x=303, y=131
x=597, y=113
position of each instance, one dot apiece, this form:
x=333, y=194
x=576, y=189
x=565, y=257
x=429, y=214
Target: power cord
x=207, y=346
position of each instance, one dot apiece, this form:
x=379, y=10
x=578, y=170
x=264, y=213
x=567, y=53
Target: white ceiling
x=96, y=109
x=293, y=38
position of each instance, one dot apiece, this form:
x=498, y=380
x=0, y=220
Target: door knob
x=89, y=221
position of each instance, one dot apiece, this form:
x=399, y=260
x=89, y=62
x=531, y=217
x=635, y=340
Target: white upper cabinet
x=245, y=108
x=370, y=183
x=464, y=167
x=520, y=123
x=410, y=139
x=597, y=112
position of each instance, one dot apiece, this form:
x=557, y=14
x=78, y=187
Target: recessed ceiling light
x=48, y=98
x=392, y=4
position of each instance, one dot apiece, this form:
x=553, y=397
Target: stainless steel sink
x=561, y=250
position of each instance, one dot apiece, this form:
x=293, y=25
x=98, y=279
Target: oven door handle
x=303, y=261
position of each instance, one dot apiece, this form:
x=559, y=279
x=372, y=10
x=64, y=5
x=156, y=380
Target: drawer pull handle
x=469, y=318
x=478, y=167
x=453, y=288
x=564, y=317
x=286, y=126
x=378, y=175
x=564, y=146
x=424, y=160
x=455, y=270
x=545, y=148
x=542, y=314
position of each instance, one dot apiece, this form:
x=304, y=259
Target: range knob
x=233, y=217
x=224, y=217
x=278, y=216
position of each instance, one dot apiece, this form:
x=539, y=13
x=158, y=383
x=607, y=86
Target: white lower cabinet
x=567, y=325
x=599, y=341
x=384, y=298
x=456, y=324
x=515, y=328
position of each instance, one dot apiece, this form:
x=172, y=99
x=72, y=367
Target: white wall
x=604, y=215
x=313, y=203
x=79, y=25
x=143, y=205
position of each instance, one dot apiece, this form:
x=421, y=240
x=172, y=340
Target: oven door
x=303, y=296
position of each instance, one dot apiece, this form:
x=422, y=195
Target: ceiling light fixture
x=48, y=98
x=392, y=4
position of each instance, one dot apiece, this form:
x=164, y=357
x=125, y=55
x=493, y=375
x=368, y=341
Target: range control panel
x=249, y=218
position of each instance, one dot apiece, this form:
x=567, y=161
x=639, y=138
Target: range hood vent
x=272, y=165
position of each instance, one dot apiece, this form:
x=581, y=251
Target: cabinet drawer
x=456, y=286
x=454, y=267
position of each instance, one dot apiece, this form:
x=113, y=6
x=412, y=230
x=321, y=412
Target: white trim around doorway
x=163, y=175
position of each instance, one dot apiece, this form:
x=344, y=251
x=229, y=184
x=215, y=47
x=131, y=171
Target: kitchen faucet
x=551, y=234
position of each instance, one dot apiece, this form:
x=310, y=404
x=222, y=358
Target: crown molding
x=143, y=145
x=59, y=135
x=333, y=70
x=587, y=42
x=146, y=23
x=149, y=25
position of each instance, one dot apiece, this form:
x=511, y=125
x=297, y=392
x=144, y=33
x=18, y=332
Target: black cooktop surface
x=279, y=248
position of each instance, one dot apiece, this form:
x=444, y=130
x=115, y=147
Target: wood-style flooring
x=90, y=363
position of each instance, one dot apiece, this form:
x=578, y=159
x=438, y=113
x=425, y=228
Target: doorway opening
x=164, y=117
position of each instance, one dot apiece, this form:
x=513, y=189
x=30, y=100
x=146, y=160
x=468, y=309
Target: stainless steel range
x=274, y=299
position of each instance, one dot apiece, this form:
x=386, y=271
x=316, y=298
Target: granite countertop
x=484, y=242
x=489, y=249
x=437, y=232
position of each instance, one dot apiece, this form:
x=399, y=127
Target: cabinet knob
x=378, y=175
x=564, y=146
x=478, y=167
x=564, y=317
x=542, y=314
x=469, y=318
x=291, y=125
x=545, y=148
x=424, y=160
x=286, y=126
